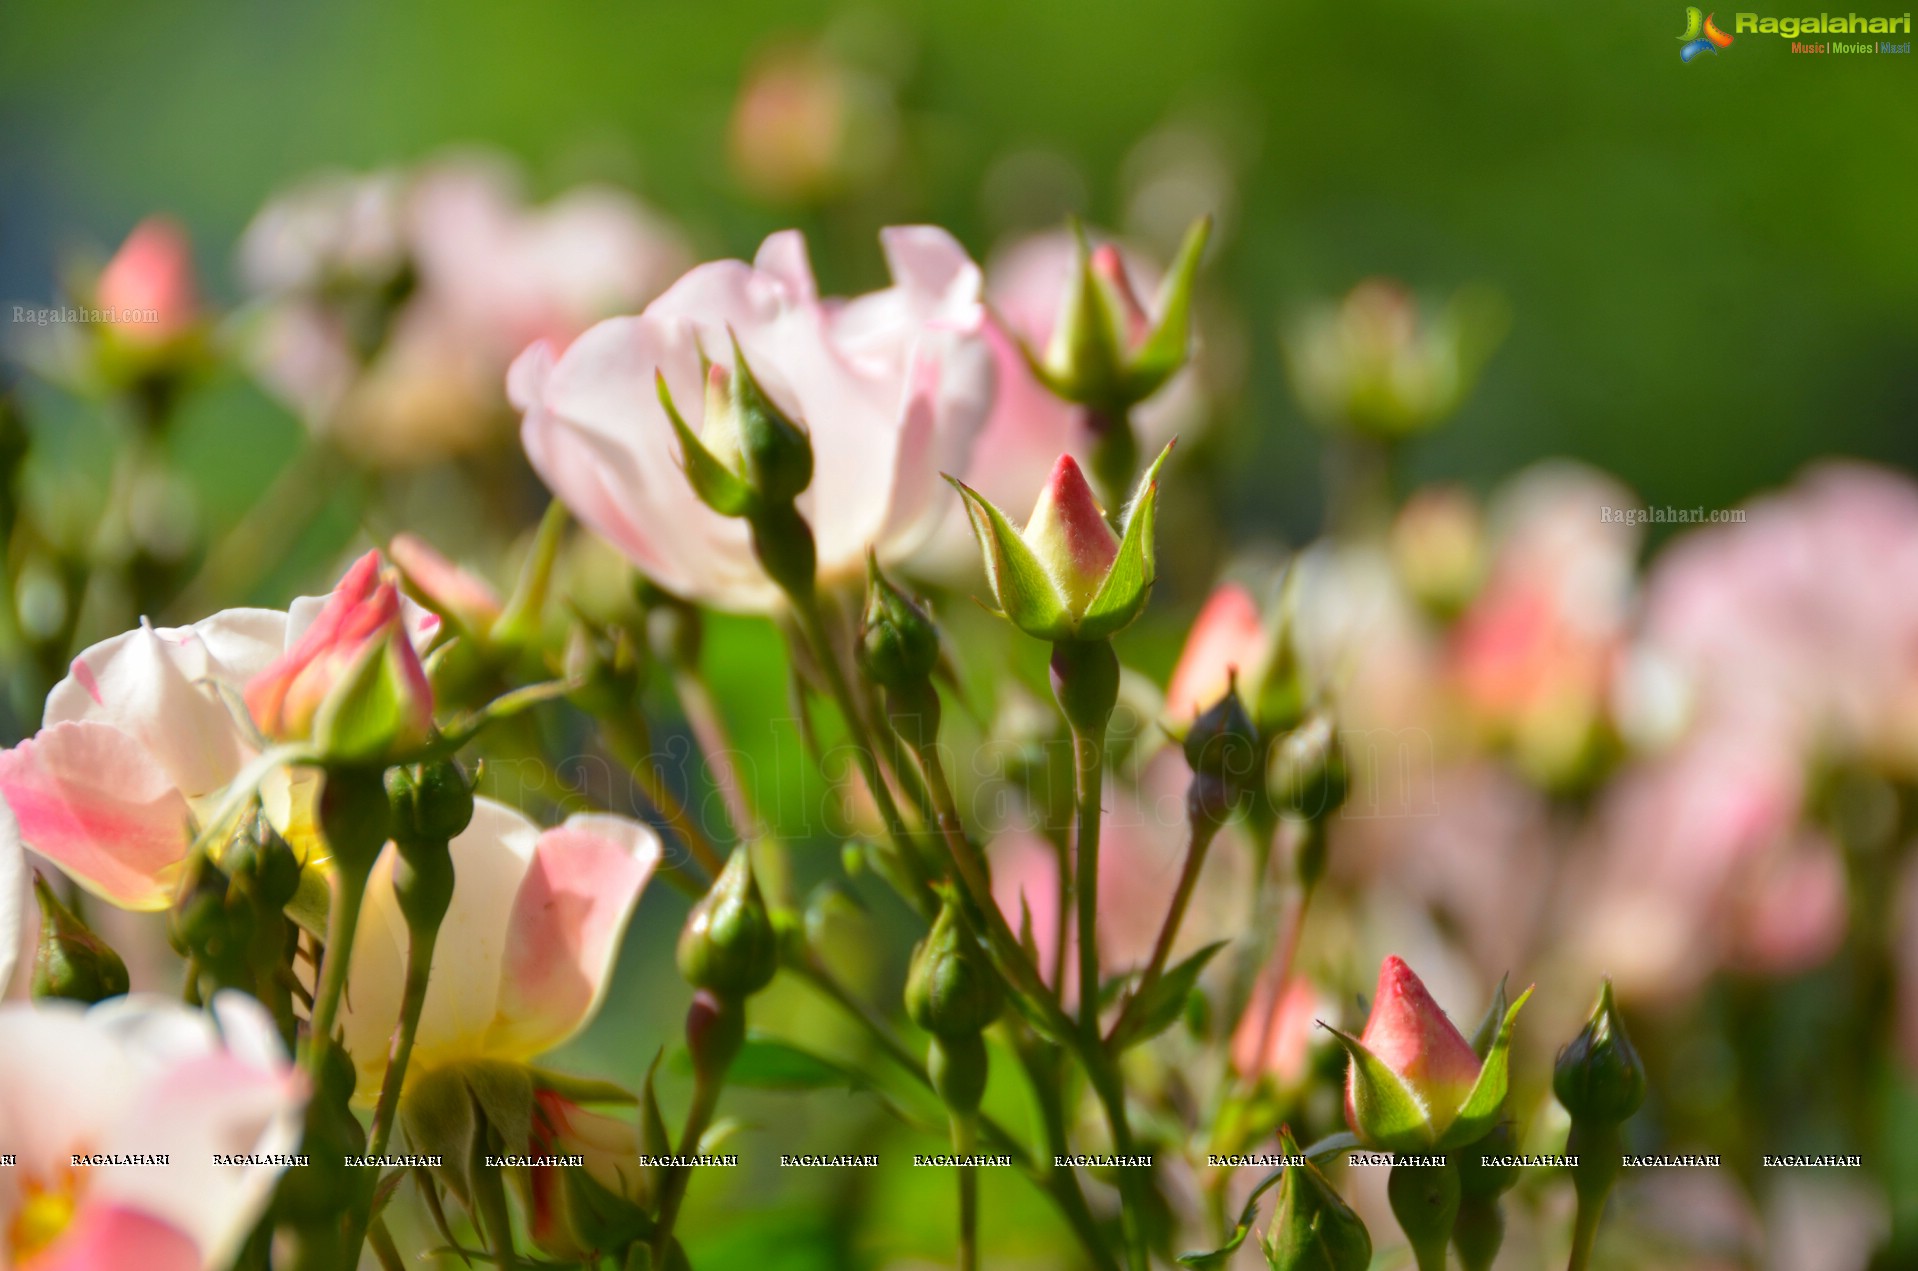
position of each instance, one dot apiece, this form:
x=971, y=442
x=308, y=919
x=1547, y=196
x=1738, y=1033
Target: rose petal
x=91, y=799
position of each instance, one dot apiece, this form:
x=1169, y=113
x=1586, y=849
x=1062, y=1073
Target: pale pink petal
x=13, y=894
x=93, y=800
x=490, y=859
x=567, y=921
x=106, y=1236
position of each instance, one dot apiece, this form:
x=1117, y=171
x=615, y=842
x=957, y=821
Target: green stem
x=699, y=1116
x=1597, y=1147
x=964, y=1134
x=384, y=1248
x=1088, y=751
x=629, y=751
x=1204, y=830
x=489, y=1198
x=419, y=965
x=349, y=890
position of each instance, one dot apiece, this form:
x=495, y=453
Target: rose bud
x=147, y=290
x=898, y=644
x=1222, y=749
x=1599, y=1076
x=1067, y=576
x=1414, y=1082
x=729, y=945
x=353, y=684
x=952, y=988
x=1313, y=1229
x=576, y=1212
x=71, y=961
x=1107, y=352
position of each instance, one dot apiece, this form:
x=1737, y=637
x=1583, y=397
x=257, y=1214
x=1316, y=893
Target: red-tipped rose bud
x=353, y=683
x=147, y=291
x=71, y=961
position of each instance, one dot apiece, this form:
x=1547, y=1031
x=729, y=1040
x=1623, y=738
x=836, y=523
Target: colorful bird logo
x=1701, y=35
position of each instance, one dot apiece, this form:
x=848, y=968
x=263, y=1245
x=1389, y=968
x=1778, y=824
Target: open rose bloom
x=142, y=738
x=891, y=386
x=141, y=1078
x=525, y=952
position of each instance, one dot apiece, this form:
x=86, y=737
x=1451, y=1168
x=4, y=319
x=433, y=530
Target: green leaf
x=1128, y=584
x=1390, y=1115
x=1025, y=593
x=717, y=486
x=1166, y=348
x=1217, y=1259
x=769, y=1063
x=1165, y=1001
x=1481, y=1108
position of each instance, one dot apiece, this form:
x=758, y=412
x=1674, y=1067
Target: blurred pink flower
x=1274, y=1039
x=892, y=386
x=1533, y=656
x=806, y=126
x=393, y=302
x=1228, y=636
x=148, y=289
x=140, y=738
x=447, y=587
x=524, y=953
x=139, y=1076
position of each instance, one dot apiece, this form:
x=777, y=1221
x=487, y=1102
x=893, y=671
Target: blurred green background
x=1710, y=267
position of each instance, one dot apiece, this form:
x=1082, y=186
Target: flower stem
x=1204, y=830
x=699, y=1116
x=419, y=965
x=1597, y=1147
x=1088, y=751
x=628, y=750
x=964, y=1134
x=349, y=889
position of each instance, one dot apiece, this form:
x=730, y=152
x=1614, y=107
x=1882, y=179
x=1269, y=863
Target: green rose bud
x=952, y=989
x=1313, y=1229
x=749, y=454
x=431, y=802
x=729, y=944
x=1222, y=748
x=898, y=645
x=72, y=962
x=1309, y=774
x=1599, y=1076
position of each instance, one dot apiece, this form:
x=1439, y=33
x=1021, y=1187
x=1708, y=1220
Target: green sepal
x=584, y=1091
x=1128, y=584
x=1390, y=1115
x=717, y=486
x=1085, y=362
x=1481, y=1108
x=504, y=1093
x=776, y=452
x=1025, y=593
x=367, y=716
x=1165, y=1002
x=1487, y=1030
x=1167, y=346
x=438, y=1115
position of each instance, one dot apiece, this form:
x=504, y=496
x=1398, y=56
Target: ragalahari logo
x=1701, y=36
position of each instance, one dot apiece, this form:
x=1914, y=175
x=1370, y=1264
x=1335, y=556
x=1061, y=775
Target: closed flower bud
x=1107, y=351
x=748, y=455
x=1309, y=773
x=1222, y=749
x=430, y=802
x=1067, y=576
x=1313, y=1229
x=1599, y=1076
x=898, y=645
x=952, y=989
x=71, y=961
x=729, y=945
